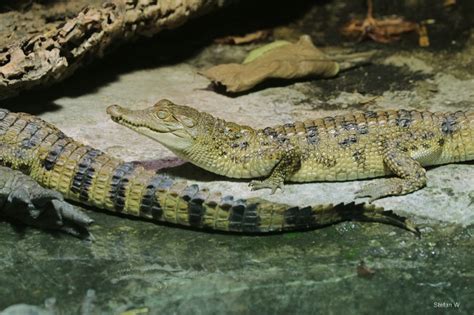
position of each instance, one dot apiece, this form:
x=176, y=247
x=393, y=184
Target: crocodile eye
x=162, y=115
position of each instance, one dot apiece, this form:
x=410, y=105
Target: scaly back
x=412, y=130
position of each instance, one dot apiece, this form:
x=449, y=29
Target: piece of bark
x=244, y=39
x=287, y=61
x=50, y=56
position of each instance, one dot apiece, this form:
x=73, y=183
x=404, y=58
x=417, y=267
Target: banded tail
x=90, y=176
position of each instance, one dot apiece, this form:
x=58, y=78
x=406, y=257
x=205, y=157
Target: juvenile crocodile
x=91, y=177
x=353, y=146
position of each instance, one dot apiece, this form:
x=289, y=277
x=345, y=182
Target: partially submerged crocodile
x=89, y=176
x=353, y=146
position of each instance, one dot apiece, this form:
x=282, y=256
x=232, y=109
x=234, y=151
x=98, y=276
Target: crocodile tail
x=256, y=215
x=92, y=177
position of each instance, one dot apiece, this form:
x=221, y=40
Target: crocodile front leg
x=24, y=200
x=289, y=164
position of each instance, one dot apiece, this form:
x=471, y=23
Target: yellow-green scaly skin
x=347, y=147
x=91, y=177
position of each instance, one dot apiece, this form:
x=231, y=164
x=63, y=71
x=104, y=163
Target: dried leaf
x=256, y=53
x=385, y=30
x=245, y=39
x=448, y=3
x=287, y=61
x=424, y=40
x=364, y=271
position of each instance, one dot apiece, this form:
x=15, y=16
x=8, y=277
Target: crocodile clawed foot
x=267, y=183
x=70, y=213
x=46, y=208
x=377, y=191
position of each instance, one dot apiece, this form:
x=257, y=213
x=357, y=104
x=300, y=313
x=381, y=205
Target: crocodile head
x=174, y=126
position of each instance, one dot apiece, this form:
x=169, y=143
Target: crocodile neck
x=230, y=149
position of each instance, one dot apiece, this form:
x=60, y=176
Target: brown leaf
x=424, y=40
x=290, y=61
x=448, y=3
x=385, y=30
x=364, y=271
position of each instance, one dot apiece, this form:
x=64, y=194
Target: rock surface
x=135, y=265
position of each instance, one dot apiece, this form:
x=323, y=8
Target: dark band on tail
x=29, y=135
x=150, y=205
x=243, y=216
x=54, y=153
x=118, y=184
x=300, y=218
x=84, y=175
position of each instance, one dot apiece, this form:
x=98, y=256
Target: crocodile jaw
x=171, y=136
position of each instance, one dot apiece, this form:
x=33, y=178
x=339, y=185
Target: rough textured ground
x=161, y=269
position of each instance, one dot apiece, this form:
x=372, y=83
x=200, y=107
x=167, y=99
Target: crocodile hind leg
x=285, y=168
x=411, y=177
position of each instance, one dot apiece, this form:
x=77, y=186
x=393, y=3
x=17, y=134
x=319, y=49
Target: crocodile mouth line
x=141, y=127
x=127, y=123
x=122, y=121
x=116, y=114
x=118, y=118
